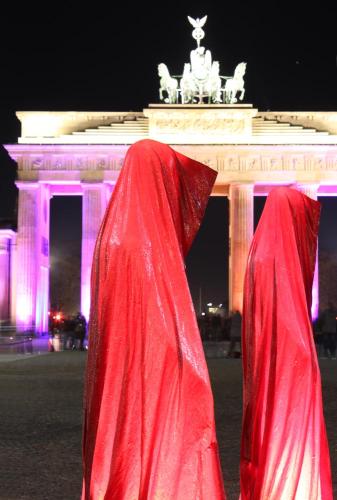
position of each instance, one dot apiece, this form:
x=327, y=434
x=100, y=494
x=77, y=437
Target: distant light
x=220, y=305
x=203, y=314
x=209, y=304
x=10, y=338
x=58, y=316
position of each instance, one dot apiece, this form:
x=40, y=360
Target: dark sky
x=104, y=57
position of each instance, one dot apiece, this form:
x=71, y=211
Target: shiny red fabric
x=284, y=450
x=149, y=421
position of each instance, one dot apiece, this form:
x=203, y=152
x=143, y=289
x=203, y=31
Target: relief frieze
x=211, y=126
x=230, y=161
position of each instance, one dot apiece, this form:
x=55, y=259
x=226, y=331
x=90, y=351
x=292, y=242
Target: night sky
x=71, y=57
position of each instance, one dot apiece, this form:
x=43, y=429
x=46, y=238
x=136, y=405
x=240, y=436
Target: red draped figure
x=284, y=449
x=149, y=429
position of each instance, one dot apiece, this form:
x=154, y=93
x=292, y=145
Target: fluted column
x=311, y=191
x=6, y=236
x=13, y=274
x=95, y=199
x=241, y=218
x=42, y=258
x=27, y=249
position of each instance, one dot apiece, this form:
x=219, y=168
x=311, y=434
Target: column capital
x=27, y=185
x=242, y=184
x=304, y=185
x=247, y=187
x=7, y=234
x=308, y=188
x=109, y=183
x=92, y=185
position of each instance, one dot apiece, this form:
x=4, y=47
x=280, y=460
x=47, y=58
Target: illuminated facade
x=81, y=153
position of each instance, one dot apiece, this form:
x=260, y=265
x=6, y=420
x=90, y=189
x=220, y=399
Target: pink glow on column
x=42, y=300
x=315, y=295
x=5, y=272
x=24, y=311
x=27, y=254
x=42, y=258
x=85, y=300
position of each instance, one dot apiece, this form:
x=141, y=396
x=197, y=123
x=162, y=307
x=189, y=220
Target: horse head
x=240, y=70
x=163, y=71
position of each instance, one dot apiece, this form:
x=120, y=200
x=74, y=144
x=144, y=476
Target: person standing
x=80, y=330
x=235, y=333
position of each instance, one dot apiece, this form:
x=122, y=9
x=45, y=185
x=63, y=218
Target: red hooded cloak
x=284, y=450
x=149, y=422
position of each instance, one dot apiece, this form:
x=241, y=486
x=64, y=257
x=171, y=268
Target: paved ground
x=40, y=431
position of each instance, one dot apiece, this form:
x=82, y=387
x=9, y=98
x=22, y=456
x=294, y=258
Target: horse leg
x=228, y=92
x=233, y=96
x=229, y=97
x=217, y=96
x=184, y=98
x=172, y=96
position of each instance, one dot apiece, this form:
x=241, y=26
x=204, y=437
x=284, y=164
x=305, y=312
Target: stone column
x=93, y=207
x=311, y=191
x=241, y=218
x=6, y=236
x=27, y=249
x=42, y=258
x=13, y=275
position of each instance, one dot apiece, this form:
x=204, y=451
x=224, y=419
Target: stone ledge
x=200, y=124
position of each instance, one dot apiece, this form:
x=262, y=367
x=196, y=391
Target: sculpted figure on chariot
x=201, y=79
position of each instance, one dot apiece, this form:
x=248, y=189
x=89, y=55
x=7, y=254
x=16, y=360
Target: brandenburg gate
x=81, y=153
